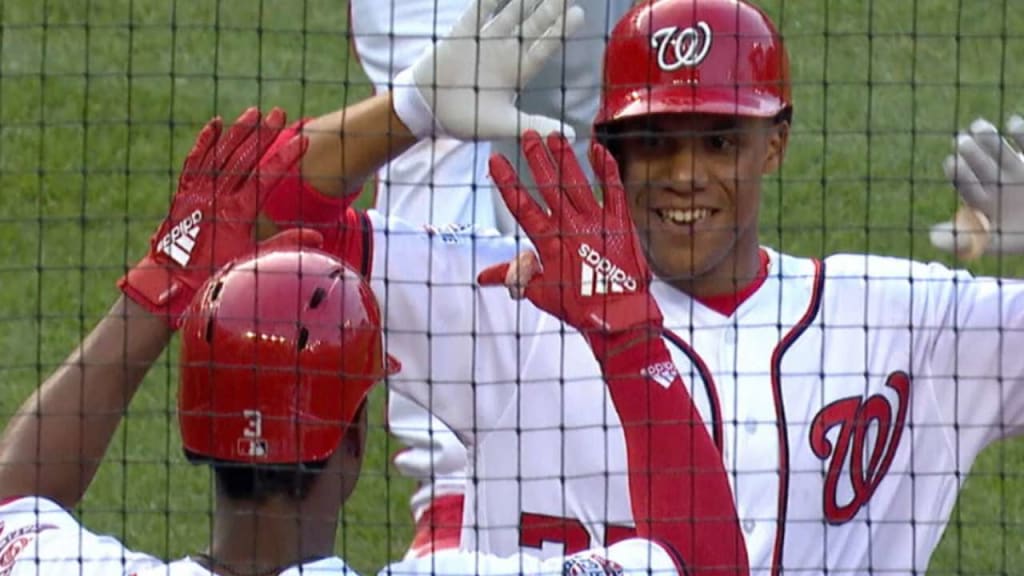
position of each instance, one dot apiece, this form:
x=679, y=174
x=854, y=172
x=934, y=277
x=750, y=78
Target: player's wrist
x=411, y=106
x=160, y=288
x=608, y=345
x=625, y=322
x=295, y=202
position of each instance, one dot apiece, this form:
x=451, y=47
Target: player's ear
x=354, y=441
x=778, y=139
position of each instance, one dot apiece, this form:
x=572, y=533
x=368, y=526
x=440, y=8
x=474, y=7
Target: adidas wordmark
x=600, y=276
x=179, y=242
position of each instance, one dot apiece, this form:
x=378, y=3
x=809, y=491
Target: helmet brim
x=653, y=101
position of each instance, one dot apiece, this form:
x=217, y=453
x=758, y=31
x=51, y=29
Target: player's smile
x=687, y=220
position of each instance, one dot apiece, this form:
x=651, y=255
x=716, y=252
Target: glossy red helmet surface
x=278, y=353
x=694, y=56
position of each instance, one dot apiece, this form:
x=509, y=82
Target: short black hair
x=259, y=482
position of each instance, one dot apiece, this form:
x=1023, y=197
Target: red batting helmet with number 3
x=278, y=353
x=694, y=56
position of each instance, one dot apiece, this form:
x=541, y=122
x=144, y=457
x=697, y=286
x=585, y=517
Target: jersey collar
x=332, y=565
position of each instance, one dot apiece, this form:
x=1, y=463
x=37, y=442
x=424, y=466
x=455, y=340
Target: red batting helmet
x=694, y=56
x=278, y=353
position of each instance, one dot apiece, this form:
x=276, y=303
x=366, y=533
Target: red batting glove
x=594, y=276
x=211, y=218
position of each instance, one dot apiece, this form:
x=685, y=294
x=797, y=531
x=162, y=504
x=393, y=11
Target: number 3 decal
x=253, y=424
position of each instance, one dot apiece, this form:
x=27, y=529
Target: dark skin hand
x=54, y=444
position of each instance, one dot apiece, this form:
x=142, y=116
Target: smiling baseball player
x=848, y=397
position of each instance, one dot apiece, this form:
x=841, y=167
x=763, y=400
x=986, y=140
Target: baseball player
x=847, y=397
x=285, y=441
x=283, y=459
x=442, y=183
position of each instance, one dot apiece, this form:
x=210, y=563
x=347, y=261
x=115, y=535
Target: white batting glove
x=988, y=173
x=465, y=86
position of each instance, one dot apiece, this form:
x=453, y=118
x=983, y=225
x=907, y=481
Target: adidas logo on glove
x=601, y=276
x=179, y=242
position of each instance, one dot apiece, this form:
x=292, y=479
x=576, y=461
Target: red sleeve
x=348, y=233
x=294, y=202
x=678, y=485
x=351, y=240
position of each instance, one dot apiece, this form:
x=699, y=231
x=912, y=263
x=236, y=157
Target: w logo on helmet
x=678, y=48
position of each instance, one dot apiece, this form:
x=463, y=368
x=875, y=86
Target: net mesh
x=100, y=101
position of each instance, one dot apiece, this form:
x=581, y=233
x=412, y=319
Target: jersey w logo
x=868, y=437
x=179, y=242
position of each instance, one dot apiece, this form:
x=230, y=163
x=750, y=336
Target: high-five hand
x=988, y=173
x=211, y=218
x=592, y=273
x=466, y=85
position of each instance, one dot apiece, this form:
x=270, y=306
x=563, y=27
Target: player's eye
x=653, y=142
x=721, y=142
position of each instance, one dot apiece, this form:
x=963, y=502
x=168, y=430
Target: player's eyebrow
x=725, y=124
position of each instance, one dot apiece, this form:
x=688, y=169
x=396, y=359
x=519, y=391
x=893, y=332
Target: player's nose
x=688, y=172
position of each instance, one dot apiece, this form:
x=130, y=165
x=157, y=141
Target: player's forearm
x=54, y=444
x=679, y=490
x=347, y=146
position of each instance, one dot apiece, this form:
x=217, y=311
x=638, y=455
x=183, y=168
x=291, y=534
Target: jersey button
x=749, y=525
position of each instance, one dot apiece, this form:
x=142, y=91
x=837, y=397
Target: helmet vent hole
x=216, y=291
x=318, y=296
x=209, y=330
x=335, y=274
x=303, y=338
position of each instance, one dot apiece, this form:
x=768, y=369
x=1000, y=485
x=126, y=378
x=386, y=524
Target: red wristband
x=294, y=201
x=644, y=357
x=153, y=286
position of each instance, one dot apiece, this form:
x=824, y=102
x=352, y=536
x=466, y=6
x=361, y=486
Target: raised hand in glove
x=213, y=211
x=988, y=173
x=466, y=85
x=592, y=273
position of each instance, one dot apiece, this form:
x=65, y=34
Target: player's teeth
x=687, y=216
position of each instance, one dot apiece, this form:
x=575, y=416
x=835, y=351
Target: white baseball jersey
x=634, y=557
x=39, y=538
x=848, y=398
x=332, y=566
